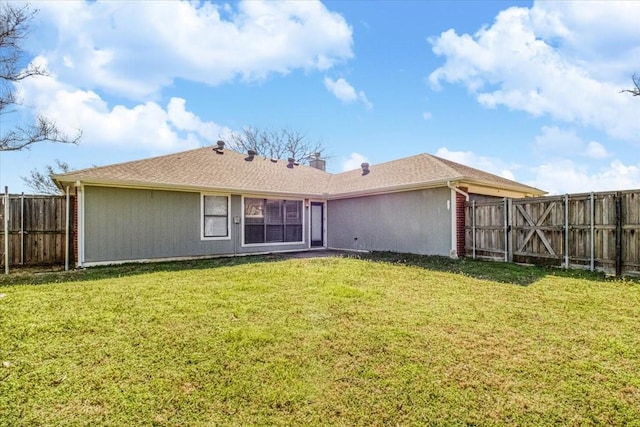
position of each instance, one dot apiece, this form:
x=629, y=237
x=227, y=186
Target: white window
x=215, y=217
x=272, y=221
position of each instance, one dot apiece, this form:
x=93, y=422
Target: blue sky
x=526, y=90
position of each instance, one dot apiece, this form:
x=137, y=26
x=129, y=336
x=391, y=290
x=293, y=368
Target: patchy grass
x=497, y=271
x=329, y=341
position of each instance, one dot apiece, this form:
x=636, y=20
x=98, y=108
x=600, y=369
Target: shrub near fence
x=598, y=231
x=37, y=230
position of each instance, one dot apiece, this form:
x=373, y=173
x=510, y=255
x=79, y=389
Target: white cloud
x=595, y=150
x=544, y=61
x=353, y=162
x=130, y=49
x=341, y=89
x=565, y=176
x=556, y=176
x=185, y=120
x=604, y=36
x=346, y=93
x=143, y=126
x=554, y=141
x=427, y=115
x=487, y=164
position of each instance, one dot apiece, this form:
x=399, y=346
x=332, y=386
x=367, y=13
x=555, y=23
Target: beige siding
x=133, y=225
x=408, y=222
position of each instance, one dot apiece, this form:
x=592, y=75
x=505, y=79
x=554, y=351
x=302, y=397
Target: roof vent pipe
x=365, y=169
x=251, y=155
x=218, y=149
x=292, y=162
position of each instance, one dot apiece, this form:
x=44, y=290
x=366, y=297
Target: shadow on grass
x=487, y=270
x=35, y=276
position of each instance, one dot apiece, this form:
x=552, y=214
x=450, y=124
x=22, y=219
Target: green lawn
x=327, y=341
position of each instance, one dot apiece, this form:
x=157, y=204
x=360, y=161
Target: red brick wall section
x=460, y=234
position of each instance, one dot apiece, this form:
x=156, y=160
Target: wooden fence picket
x=597, y=231
x=36, y=230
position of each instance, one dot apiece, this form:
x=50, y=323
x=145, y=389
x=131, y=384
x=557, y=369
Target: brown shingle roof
x=416, y=171
x=204, y=169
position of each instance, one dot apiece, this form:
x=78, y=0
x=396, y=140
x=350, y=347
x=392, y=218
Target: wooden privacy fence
x=596, y=231
x=36, y=230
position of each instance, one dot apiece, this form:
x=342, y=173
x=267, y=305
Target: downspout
x=67, y=225
x=454, y=219
x=80, y=222
x=459, y=191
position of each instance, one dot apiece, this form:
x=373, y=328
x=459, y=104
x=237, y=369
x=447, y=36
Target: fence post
x=6, y=229
x=22, y=228
x=506, y=230
x=473, y=227
x=593, y=236
x=566, y=231
x=508, y=221
x=618, y=234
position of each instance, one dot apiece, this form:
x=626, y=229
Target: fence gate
x=36, y=230
x=486, y=230
x=537, y=229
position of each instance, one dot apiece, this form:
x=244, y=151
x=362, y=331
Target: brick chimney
x=317, y=162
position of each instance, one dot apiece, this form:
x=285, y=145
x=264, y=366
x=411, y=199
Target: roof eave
x=179, y=187
x=480, y=187
x=492, y=189
x=473, y=185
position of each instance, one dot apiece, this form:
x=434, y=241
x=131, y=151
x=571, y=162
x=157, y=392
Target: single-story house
x=216, y=202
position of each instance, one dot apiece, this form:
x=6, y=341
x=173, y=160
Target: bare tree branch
x=44, y=130
x=281, y=144
x=41, y=183
x=14, y=27
x=636, y=83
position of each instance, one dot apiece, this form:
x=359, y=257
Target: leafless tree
x=636, y=82
x=14, y=27
x=41, y=183
x=281, y=144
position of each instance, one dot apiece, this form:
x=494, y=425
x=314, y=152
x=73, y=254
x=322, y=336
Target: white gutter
x=454, y=218
x=459, y=191
x=80, y=222
x=324, y=196
x=67, y=231
x=139, y=185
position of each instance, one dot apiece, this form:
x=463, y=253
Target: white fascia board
x=195, y=189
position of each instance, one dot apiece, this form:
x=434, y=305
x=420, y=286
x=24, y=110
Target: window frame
x=279, y=199
x=202, y=216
